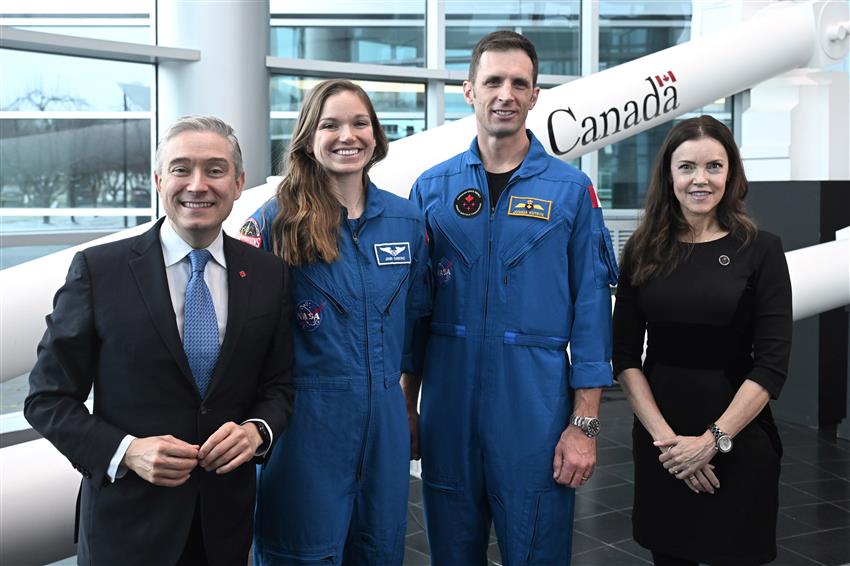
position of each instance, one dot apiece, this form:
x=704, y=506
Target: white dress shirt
x=178, y=270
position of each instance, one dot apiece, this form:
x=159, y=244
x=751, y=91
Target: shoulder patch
x=251, y=234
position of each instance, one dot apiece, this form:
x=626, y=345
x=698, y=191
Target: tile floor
x=814, y=498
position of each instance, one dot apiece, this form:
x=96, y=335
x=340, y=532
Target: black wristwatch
x=722, y=441
x=264, y=434
x=588, y=425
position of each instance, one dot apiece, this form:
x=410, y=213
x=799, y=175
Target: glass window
x=372, y=31
x=73, y=163
x=627, y=31
x=553, y=27
x=456, y=105
x=128, y=20
x=41, y=82
x=400, y=108
x=75, y=139
x=75, y=133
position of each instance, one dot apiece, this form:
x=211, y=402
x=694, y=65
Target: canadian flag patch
x=594, y=198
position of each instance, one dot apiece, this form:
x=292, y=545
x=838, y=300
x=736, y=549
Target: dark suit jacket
x=113, y=327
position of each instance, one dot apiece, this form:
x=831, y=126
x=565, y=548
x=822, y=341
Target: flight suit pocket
x=532, y=288
x=320, y=315
x=527, y=241
x=392, y=308
x=605, y=270
x=454, y=258
x=309, y=282
x=548, y=512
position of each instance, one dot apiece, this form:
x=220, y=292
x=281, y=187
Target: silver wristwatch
x=722, y=441
x=588, y=425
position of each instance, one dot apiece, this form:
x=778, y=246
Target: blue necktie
x=200, y=326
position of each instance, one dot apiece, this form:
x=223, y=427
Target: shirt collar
x=373, y=205
x=175, y=248
x=534, y=162
x=374, y=201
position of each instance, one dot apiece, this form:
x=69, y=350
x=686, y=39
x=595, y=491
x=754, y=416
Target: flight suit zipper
x=487, y=277
x=515, y=257
x=327, y=294
x=398, y=287
x=355, y=237
x=459, y=249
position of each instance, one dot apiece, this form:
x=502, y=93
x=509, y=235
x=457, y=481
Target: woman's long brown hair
x=654, y=250
x=306, y=228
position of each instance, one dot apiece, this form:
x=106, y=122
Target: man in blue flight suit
x=522, y=264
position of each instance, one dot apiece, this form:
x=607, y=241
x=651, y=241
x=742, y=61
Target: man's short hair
x=200, y=124
x=502, y=41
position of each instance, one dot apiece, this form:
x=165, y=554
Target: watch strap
x=588, y=425
x=718, y=436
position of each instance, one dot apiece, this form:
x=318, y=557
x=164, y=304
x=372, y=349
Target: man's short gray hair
x=200, y=124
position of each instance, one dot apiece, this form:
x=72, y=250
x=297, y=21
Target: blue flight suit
x=335, y=486
x=512, y=289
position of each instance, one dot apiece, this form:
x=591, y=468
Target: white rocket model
x=570, y=120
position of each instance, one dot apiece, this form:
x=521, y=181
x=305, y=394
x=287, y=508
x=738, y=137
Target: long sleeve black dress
x=722, y=316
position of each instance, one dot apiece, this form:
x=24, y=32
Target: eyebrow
x=334, y=119
x=689, y=162
x=514, y=80
x=210, y=161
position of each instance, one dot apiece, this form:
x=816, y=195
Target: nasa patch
x=469, y=202
x=393, y=253
x=308, y=314
x=251, y=234
x=444, y=272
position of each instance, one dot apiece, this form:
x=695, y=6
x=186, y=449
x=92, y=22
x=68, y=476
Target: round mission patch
x=469, y=202
x=308, y=314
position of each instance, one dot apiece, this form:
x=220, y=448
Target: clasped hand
x=168, y=461
x=687, y=458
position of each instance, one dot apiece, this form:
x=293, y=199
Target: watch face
x=591, y=427
x=264, y=432
x=724, y=443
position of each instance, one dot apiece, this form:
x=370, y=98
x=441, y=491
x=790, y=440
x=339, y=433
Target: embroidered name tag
x=531, y=207
x=393, y=253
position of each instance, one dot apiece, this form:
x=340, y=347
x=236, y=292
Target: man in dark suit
x=184, y=334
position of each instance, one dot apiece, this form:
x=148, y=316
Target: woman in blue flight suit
x=334, y=488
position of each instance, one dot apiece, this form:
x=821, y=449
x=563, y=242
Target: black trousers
x=194, y=553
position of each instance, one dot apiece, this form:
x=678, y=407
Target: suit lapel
x=238, y=291
x=148, y=268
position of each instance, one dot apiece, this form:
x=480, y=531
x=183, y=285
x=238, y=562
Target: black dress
x=722, y=316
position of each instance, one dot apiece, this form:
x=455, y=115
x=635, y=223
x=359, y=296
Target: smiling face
x=198, y=185
x=344, y=140
x=503, y=92
x=698, y=170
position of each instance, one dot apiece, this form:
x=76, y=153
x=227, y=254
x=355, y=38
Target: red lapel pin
x=243, y=275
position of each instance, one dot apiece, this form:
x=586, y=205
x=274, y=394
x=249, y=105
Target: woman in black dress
x=713, y=295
